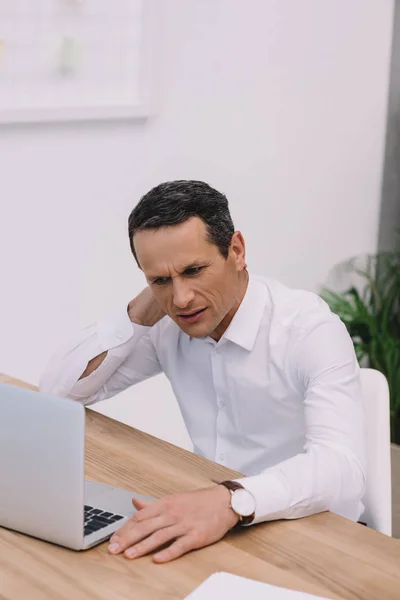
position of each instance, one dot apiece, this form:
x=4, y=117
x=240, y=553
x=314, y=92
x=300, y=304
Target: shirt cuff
x=115, y=334
x=117, y=329
x=271, y=495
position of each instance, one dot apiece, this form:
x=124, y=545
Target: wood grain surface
x=324, y=555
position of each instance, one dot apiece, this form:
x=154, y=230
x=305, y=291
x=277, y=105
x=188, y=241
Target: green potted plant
x=369, y=307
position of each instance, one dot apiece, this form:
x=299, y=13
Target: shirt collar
x=243, y=329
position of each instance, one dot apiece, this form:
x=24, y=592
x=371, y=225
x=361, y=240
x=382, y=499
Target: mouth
x=193, y=316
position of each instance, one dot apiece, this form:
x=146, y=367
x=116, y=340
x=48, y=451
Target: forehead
x=173, y=247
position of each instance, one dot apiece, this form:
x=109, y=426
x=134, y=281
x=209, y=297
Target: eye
x=193, y=271
x=161, y=281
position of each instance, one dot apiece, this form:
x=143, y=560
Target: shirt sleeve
x=330, y=474
x=131, y=358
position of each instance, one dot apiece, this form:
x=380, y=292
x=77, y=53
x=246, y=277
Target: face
x=194, y=284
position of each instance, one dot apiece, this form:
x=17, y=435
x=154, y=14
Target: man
x=266, y=377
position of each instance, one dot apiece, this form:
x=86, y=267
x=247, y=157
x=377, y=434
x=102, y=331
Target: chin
x=195, y=331
x=197, y=334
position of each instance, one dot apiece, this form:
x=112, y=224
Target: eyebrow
x=193, y=265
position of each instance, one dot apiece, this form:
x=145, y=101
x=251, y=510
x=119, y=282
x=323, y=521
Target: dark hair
x=175, y=202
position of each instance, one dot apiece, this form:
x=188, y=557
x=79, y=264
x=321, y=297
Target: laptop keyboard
x=96, y=519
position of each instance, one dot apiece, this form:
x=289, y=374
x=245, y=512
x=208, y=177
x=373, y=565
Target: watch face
x=243, y=503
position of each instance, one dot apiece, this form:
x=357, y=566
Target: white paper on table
x=221, y=586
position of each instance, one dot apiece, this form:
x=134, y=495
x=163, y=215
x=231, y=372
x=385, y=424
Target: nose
x=183, y=294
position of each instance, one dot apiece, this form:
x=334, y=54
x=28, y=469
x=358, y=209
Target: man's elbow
x=351, y=482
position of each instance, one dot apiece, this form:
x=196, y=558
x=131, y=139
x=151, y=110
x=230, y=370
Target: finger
x=150, y=512
x=180, y=547
x=140, y=504
x=124, y=538
x=146, y=510
x=154, y=541
x=123, y=530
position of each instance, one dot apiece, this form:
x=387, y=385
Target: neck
x=223, y=326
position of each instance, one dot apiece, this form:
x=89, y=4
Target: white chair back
x=378, y=496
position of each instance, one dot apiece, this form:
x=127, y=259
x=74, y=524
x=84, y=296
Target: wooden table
x=324, y=554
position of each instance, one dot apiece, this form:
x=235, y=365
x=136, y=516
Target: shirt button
x=222, y=457
x=119, y=336
x=222, y=404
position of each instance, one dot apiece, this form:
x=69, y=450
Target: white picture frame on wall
x=73, y=60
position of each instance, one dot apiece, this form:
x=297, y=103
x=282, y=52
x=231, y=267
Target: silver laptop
x=43, y=492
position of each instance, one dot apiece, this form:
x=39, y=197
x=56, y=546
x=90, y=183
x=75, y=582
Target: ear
x=238, y=251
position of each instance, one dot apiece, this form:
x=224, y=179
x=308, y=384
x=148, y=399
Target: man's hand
x=185, y=521
x=144, y=309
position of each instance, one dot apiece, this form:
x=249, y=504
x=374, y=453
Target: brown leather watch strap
x=232, y=486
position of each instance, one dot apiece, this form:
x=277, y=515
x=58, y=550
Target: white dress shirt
x=277, y=398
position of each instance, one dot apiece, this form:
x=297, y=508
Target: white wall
x=279, y=103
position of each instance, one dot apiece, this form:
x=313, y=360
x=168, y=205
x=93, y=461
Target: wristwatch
x=243, y=502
